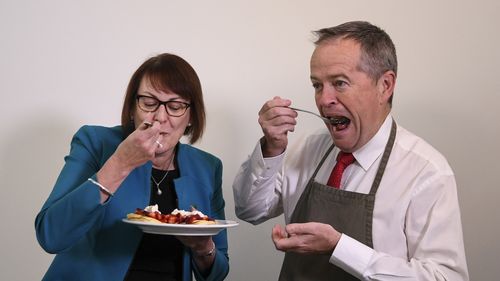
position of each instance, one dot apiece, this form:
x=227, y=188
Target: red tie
x=343, y=160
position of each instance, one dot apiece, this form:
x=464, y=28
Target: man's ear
x=386, y=84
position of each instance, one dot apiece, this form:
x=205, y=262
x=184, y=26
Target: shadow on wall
x=32, y=156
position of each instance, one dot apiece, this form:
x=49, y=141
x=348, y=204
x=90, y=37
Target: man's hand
x=306, y=238
x=276, y=120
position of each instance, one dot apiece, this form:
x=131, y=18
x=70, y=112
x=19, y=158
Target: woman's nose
x=161, y=114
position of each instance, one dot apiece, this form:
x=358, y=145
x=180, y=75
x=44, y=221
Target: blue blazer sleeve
x=73, y=208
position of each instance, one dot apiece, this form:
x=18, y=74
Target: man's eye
x=316, y=85
x=339, y=83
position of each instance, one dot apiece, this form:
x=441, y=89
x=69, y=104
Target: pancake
x=137, y=217
x=203, y=222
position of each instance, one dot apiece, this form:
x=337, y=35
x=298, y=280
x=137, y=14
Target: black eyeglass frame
x=164, y=103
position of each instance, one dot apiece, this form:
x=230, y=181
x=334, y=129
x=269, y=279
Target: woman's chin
x=159, y=153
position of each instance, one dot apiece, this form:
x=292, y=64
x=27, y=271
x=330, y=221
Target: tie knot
x=345, y=158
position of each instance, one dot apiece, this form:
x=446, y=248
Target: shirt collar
x=370, y=152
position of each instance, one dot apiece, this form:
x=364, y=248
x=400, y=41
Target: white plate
x=183, y=229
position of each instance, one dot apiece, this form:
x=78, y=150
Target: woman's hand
x=138, y=148
x=199, y=245
x=203, y=249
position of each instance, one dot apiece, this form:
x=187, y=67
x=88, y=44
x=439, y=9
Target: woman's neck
x=164, y=161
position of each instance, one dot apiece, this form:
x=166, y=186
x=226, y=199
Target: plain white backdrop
x=64, y=64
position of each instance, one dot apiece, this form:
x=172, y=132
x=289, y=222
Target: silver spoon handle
x=310, y=112
x=332, y=120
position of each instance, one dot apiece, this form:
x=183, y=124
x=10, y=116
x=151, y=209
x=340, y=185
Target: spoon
x=331, y=120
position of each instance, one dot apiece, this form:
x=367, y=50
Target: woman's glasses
x=151, y=104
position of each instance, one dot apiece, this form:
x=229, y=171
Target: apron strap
x=322, y=161
x=385, y=159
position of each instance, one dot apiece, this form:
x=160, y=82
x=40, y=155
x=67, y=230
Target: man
x=392, y=214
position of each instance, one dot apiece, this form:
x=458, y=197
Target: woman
x=112, y=171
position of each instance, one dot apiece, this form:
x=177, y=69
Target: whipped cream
x=152, y=208
x=188, y=213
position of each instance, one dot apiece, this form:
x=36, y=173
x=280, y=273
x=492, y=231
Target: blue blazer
x=89, y=238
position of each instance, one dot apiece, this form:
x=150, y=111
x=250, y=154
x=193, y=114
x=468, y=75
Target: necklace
x=158, y=190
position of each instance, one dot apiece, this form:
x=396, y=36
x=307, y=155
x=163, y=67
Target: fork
x=331, y=120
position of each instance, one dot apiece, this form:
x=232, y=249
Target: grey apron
x=348, y=212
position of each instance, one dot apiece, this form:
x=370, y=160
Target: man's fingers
x=290, y=243
x=278, y=232
x=275, y=102
x=279, y=237
x=298, y=228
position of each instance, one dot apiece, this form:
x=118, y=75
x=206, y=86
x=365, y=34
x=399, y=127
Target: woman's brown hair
x=167, y=72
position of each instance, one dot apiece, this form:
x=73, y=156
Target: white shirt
x=416, y=231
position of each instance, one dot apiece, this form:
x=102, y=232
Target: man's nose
x=327, y=95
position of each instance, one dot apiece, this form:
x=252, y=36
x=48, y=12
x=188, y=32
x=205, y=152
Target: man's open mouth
x=340, y=122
